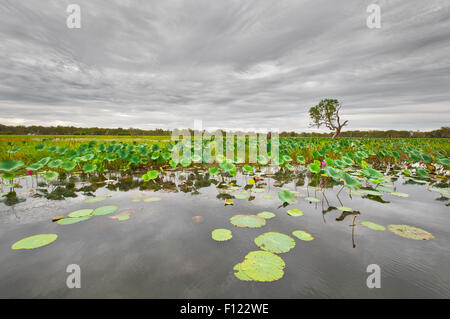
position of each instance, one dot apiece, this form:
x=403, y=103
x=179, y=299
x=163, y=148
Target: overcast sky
x=232, y=64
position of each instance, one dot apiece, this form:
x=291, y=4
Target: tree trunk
x=336, y=134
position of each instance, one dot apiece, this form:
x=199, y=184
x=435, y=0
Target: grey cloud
x=231, y=64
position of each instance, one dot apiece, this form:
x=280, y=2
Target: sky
x=231, y=64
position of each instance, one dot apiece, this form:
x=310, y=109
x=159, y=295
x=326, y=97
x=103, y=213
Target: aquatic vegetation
x=261, y=266
x=410, y=232
x=302, y=235
x=295, y=212
x=372, y=225
x=249, y=221
x=95, y=199
x=152, y=199
x=34, y=241
x=81, y=213
x=286, y=196
x=105, y=210
x=221, y=234
x=275, y=242
x=266, y=215
x=73, y=220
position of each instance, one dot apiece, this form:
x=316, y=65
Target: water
x=163, y=251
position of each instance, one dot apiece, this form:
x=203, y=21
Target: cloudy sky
x=232, y=64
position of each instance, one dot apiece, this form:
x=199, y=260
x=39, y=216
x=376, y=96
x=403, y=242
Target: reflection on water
x=165, y=250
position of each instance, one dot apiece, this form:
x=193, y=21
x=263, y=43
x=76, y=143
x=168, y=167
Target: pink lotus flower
x=29, y=172
x=323, y=163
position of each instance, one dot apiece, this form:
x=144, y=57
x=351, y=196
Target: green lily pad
x=259, y=190
x=123, y=217
x=372, y=225
x=240, y=274
x=302, y=235
x=221, y=234
x=9, y=165
x=410, y=232
x=250, y=221
x=266, y=215
x=240, y=196
x=275, y=242
x=81, y=213
x=152, y=199
x=35, y=241
x=371, y=192
x=295, y=212
x=268, y=197
x=345, y=209
x=105, y=210
x=312, y=199
x=399, y=194
x=95, y=199
x=72, y=220
x=286, y=196
x=263, y=266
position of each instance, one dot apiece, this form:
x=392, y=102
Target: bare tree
x=327, y=113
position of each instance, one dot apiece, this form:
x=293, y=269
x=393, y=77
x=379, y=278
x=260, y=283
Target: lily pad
x=81, y=213
x=268, y=197
x=152, y=199
x=95, y=199
x=372, y=225
x=250, y=221
x=259, y=190
x=105, y=210
x=221, y=234
x=240, y=274
x=240, y=196
x=295, y=212
x=410, y=232
x=35, y=241
x=345, y=209
x=266, y=215
x=9, y=165
x=72, y=220
x=275, y=242
x=286, y=196
x=302, y=235
x=399, y=194
x=263, y=266
x=312, y=199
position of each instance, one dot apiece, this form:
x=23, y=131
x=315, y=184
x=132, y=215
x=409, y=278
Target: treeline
x=443, y=132
x=71, y=130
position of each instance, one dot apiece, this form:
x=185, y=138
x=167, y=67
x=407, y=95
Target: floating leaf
x=81, y=213
x=250, y=221
x=399, y=194
x=241, y=196
x=35, y=241
x=295, y=212
x=345, y=209
x=266, y=215
x=259, y=190
x=49, y=175
x=275, y=242
x=95, y=199
x=72, y=220
x=312, y=199
x=410, y=232
x=263, y=266
x=372, y=225
x=240, y=274
x=152, y=199
x=302, y=235
x=268, y=197
x=221, y=234
x=105, y=210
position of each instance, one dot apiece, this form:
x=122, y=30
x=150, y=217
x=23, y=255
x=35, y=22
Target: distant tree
x=327, y=113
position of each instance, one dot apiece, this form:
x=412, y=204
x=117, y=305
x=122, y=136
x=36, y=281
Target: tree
x=327, y=113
